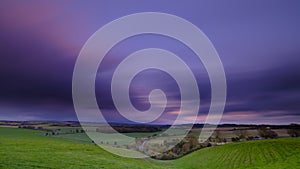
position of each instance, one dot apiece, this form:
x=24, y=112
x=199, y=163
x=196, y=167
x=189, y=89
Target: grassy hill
x=276, y=153
x=21, y=148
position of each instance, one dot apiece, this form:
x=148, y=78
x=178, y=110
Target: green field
x=273, y=154
x=23, y=148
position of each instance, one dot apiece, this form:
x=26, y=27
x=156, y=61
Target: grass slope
x=21, y=148
x=276, y=153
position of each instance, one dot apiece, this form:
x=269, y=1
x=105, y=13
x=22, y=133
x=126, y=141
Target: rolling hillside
x=24, y=148
x=276, y=153
x=21, y=148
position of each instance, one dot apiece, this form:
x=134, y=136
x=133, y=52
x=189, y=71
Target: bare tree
x=218, y=136
x=294, y=130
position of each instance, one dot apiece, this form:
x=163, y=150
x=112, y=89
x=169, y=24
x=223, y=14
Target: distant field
x=110, y=138
x=84, y=137
x=24, y=148
x=229, y=133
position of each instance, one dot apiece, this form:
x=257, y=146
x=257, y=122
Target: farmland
x=277, y=153
x=24, y=148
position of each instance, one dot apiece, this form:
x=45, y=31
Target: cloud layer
x=258, y=43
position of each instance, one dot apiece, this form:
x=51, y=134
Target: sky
x=257, y=41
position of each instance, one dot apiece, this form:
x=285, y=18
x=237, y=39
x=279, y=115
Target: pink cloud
x=47, y=20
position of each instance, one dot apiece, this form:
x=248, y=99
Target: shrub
x=235, y=139
x=242, y=134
